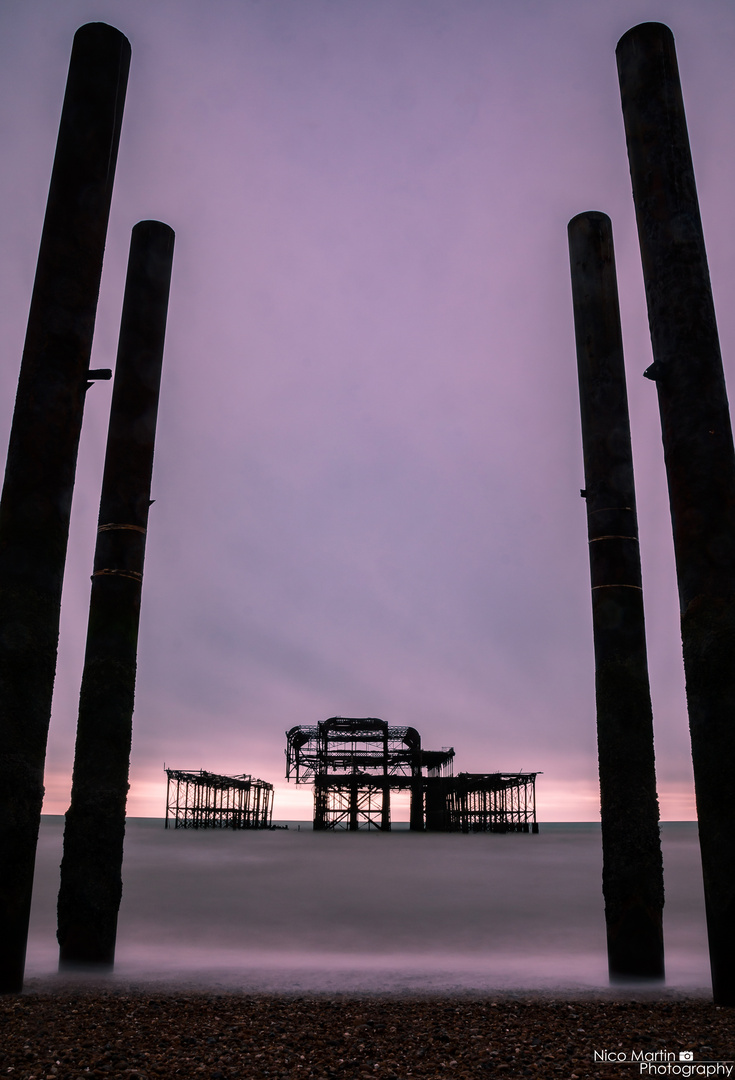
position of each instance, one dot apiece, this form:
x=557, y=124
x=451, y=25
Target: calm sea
x=294, y=910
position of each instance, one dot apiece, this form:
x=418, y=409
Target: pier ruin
x=482, y=802
x=354, y=764
x=204, y=800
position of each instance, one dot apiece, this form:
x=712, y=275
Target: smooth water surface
x=297, y=910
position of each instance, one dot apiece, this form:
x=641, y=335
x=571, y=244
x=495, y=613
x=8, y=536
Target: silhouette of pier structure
x=204, y=800
x=482, y=802
x=354, y=764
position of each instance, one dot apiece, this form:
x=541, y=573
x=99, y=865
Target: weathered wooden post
x=698, y=451
x=91, y=868
x=632, y=874
x=39, y=477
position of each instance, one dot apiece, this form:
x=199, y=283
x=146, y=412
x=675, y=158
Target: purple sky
x=369, y=458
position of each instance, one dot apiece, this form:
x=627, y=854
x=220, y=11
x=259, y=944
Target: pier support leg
x=320, y=805
x=385, y=808
x=698, y=451
x=354, y=792
x=416, y=813
x=91, y=868
x=39, y=478
x=632, y=875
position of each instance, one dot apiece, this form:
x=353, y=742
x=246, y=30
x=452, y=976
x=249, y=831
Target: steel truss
x=351, y=803
x=491, y=802
x=204, y=800
x=355, y=763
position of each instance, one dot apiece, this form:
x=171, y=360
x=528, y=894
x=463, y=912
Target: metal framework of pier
x=482, y=802
x=354, y=764
x=204, y=800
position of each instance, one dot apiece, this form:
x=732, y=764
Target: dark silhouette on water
x=205, y=800
x=354, y=764
x=698, y=451
x=632, y=874
x=91, y=868
x=44, y=439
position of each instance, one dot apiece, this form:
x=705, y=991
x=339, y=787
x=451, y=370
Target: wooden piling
x=39, y=478
x=632, y=874
x=91, y=868
x=698, y=451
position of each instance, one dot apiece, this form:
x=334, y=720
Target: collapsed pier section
x=204, y=800
x=482, y=802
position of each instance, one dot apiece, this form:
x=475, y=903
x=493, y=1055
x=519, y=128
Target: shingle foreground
x=246, y=1037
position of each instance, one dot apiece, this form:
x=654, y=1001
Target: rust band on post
x=617, y=585
x=604, y=510
x=112, y=528
x=134, y=575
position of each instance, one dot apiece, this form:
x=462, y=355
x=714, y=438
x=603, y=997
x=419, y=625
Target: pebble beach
x=80, y=1034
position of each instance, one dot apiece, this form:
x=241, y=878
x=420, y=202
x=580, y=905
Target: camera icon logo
x=686, y=1055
